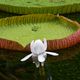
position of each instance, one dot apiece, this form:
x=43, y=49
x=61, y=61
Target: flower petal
x=41, y=58
x=38, y=46
x=32, y=47
x=45, y=44
x=52, y=53
x=26, y=57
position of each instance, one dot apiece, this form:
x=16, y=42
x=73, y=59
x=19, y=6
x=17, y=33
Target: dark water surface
x=65, y=66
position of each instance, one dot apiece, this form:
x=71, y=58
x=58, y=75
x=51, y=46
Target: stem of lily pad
x=42, y=73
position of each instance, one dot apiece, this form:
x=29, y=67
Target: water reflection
x=66, y=66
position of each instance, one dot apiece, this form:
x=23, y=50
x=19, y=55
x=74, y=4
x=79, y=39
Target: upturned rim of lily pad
x=31, y=7
x=54, y=44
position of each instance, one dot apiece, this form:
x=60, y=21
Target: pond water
x=64, y=67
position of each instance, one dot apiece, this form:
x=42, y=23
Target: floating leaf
x=17, y=32
x=40, y=6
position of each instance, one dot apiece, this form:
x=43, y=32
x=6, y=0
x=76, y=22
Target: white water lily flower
x=38, y=52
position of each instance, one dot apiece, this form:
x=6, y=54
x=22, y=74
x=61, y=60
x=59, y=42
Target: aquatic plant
x=40, y=6
x=38, y=52
x=12, y=50
x=13, y=56
x=23, y=28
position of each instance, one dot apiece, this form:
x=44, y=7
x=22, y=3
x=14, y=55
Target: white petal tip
x=52, y=53
x=26, y=57
x=41, y=58
x=22, y=60
x=56, y=54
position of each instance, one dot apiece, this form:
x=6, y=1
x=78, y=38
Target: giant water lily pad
x=40, y=6
x=12, y=69
x=17, y=32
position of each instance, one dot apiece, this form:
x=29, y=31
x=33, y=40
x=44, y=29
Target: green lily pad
x=40, y=6
x=24, y=29
x=25, y=33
